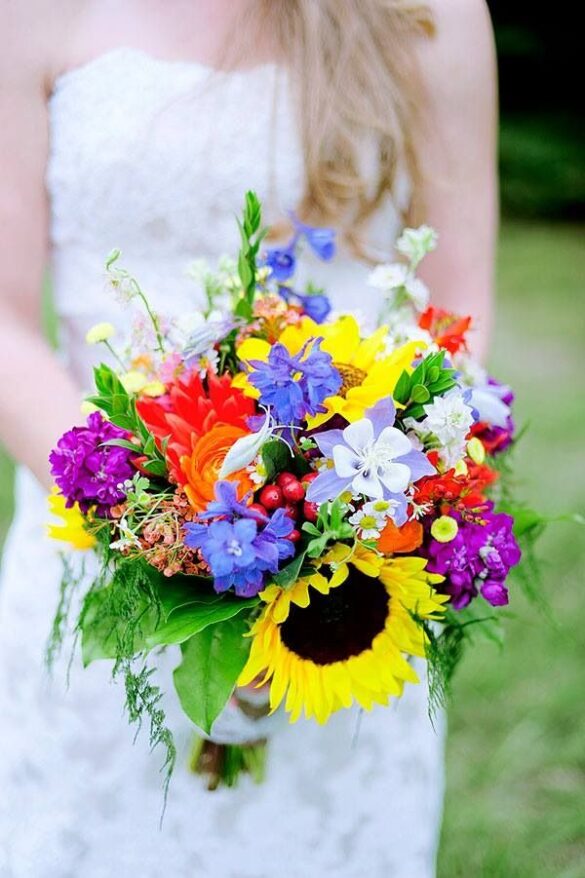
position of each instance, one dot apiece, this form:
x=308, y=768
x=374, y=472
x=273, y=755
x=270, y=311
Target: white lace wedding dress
x=153, y=157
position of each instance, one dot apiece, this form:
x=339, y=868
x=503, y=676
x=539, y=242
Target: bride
x=138, y=124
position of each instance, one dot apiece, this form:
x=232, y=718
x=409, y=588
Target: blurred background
x=515, y=758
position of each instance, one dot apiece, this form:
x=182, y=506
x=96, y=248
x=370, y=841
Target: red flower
x=190, y=409
x=447, y=329
x=462, y=492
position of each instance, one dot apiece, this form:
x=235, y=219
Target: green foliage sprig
x=120, y=407
x=252, y=234
x=430, y=378
x=330, y=526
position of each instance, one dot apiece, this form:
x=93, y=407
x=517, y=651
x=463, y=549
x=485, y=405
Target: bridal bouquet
x=300, y=504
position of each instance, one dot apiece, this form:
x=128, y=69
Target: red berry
x=291, y=509
x=257, y=507
x=310, y=510
x=294, y=536
x=284, y=478
x=307, y=479
x=271, y=497
x=293, y=491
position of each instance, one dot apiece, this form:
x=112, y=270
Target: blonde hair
x=352, y=63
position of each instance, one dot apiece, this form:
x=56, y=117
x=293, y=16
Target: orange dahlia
x=200, y=468
x=190, y=409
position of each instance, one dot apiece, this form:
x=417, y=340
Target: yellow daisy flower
x=331, y=640
x=368, y=374
x=71, y=530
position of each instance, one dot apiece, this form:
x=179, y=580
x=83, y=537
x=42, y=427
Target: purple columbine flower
x=370, y=457
x=477, y=560
x=87, y=470
x=295, y=385
x=240, y=552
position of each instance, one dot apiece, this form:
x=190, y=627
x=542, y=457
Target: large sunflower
x=330, y=640
x=367, y=372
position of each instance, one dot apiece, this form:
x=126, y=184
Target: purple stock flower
x=87, y=470
x=370, y=457
x=295, y=385
x=477, y=560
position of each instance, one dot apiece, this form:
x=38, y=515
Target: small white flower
x=448, y=417
x=418, y=293
x=416, y=243
x=99, y=332
x=371, y=519
x=388, y=277
x=257, y=471
x=399, y=283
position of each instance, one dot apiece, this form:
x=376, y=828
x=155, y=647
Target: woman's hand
x=458, y=154
x=38, y=400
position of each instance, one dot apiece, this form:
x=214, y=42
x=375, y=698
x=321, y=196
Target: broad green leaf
x=289, y=574
x=183, y=622
x=276, y=457
x=212, y=662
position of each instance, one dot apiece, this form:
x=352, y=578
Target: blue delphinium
x=320, y=240
x=315, y=305
x=227, y=504
x=240, y=550
x=282, y=261
x=295, y=385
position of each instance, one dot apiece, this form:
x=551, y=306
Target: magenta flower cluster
x=478, y=560
x=87, y=470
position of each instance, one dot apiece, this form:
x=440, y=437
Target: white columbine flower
x=416, y=243
x=486, y=399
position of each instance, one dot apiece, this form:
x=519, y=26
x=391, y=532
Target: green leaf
x=189, y=619
x=402, y=390
x=276, y=457
x=420, y=393
x=289, y=574
x=212, y=662
x=251, y=236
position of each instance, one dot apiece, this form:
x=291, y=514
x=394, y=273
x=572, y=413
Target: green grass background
x=515, y=755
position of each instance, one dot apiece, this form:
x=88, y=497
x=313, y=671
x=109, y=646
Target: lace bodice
x=153, y=158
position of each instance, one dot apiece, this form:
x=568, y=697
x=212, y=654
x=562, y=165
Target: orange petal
x=400, y=539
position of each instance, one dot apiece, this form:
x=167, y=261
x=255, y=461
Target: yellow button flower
x=444, y=529
x=99, y=333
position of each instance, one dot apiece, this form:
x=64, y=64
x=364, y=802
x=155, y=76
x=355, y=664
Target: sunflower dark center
x=351, y=376
x=340, y=624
